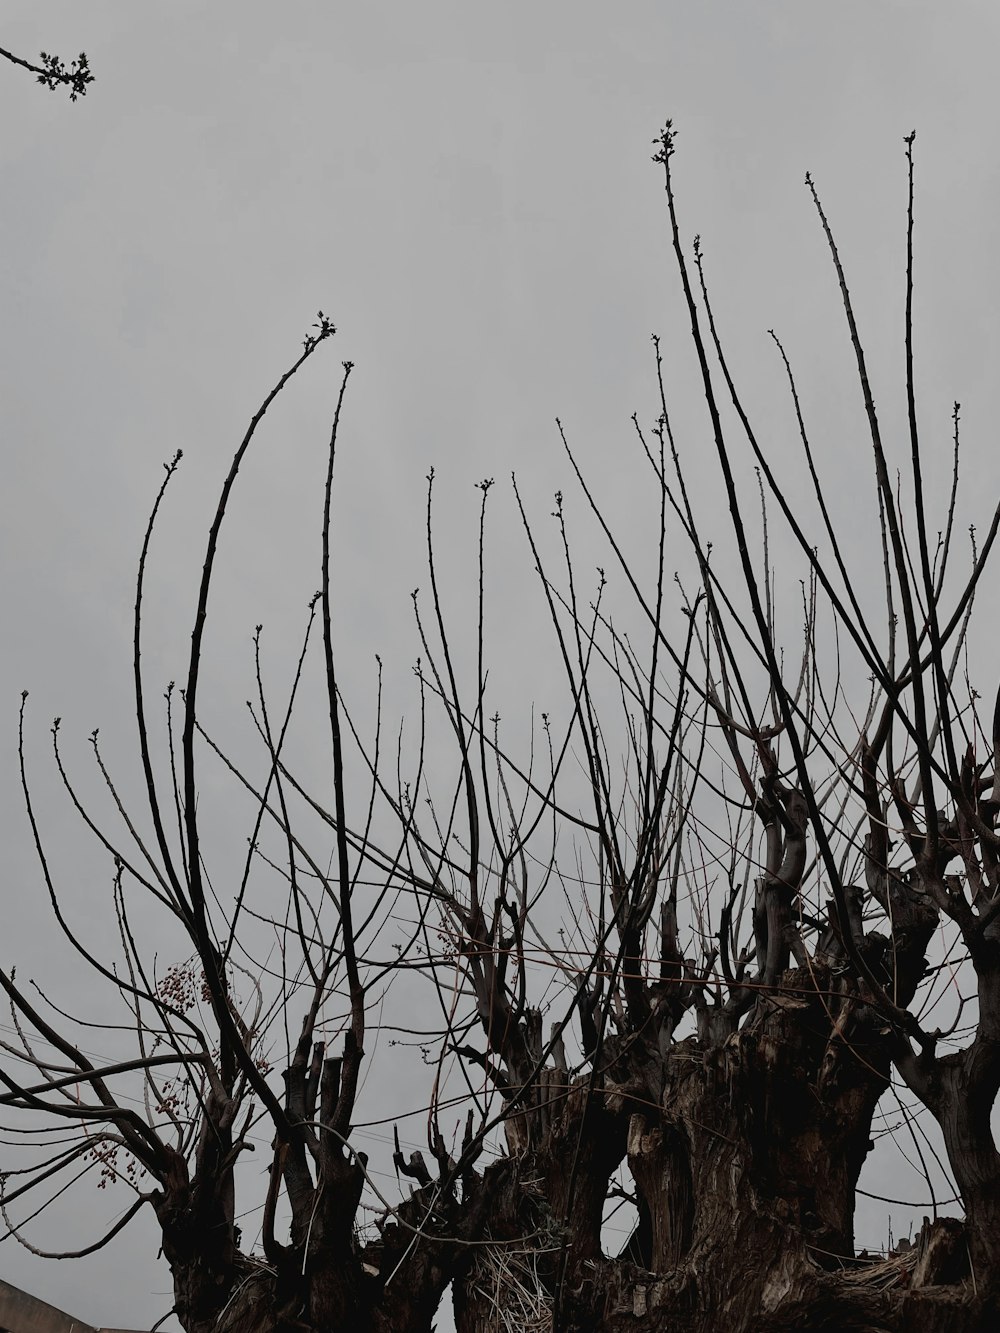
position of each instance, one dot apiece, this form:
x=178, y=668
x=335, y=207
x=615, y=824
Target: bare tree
x=673, y=953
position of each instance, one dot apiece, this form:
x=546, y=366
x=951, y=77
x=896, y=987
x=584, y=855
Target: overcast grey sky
x=466, y=189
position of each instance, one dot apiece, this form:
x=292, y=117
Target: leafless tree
x=673, y=953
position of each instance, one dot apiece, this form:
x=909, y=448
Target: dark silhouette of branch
x=54, y=73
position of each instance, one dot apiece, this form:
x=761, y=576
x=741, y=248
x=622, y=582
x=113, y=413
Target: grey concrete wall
x=22, y=1313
